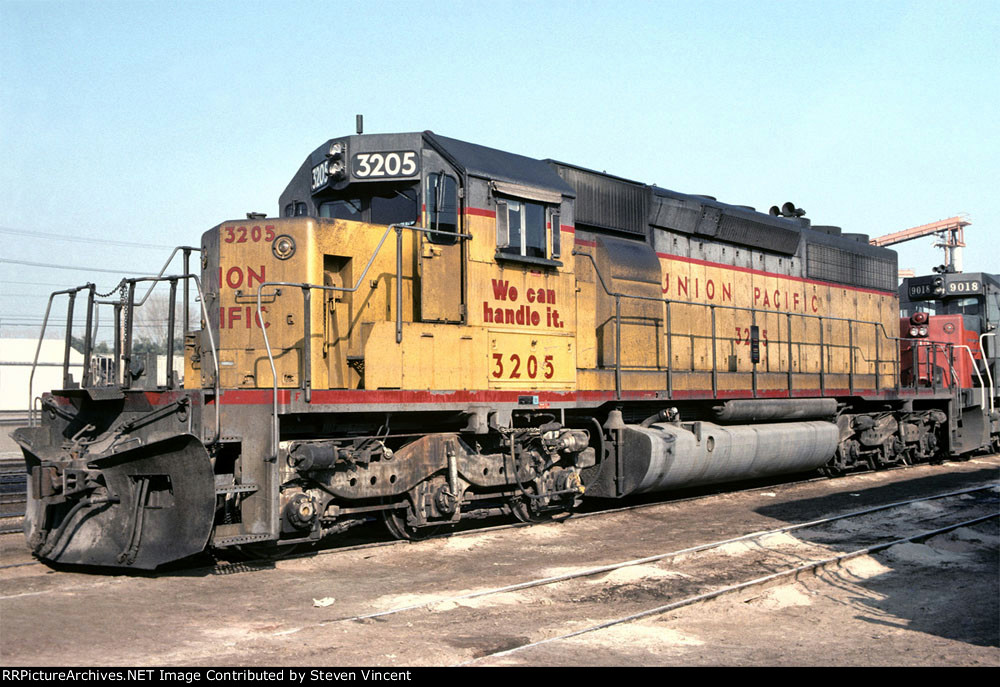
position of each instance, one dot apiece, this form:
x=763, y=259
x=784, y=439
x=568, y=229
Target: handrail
x=87, y=341
x=41, y=337
x=306, y=297
x=211, y=337
x=127, y=352
x=879, y=328
x=187, y=253
x=986, y=363
x=982, y=387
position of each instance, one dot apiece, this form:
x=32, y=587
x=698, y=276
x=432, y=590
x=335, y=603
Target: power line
x=57, y=237
x=31, y=283
x=60, y=267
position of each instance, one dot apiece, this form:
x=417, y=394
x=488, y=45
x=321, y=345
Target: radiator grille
x=828, y=263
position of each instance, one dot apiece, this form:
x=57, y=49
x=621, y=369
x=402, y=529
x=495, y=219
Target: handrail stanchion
x=932, y=356
x=789, y=321
x=877, y=354
x=118, y=343
x=850, y=346
x=307, y=343
x=215, y=357
x=618, y=347
x=69, y=340
x=171, y=317
x=822, y=359
x=129, y=327
x=399, y=284
x=715, y=365
x=670, y=356
x=753, y=371
x=88, y=338
x=187, y=298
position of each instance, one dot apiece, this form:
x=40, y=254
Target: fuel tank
x=666, y=456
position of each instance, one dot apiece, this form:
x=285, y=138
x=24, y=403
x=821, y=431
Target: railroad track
x=544, y=611
x=716, y=545
x=789, y=561
x=13, y=486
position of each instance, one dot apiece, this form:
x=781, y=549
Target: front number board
x=387, y=165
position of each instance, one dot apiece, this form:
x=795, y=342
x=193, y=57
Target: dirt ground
x=910, y=606
x=935, y=603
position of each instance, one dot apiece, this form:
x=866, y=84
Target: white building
x=16, y=356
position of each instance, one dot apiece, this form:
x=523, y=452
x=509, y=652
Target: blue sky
x=150, y=122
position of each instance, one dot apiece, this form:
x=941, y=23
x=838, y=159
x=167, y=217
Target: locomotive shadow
x=917, y=591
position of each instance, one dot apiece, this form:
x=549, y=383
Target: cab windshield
x=379, y=204
x=963, y=306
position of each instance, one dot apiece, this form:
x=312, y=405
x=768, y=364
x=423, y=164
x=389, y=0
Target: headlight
x=336, y=149
x=923, y=331
x=913, y=332
x=335, y=169
x=283, y=247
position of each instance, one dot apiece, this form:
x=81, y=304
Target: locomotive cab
x=957, y=310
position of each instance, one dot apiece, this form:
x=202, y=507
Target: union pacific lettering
x=237, y=277
x=523, y=314
x=789, y=297
x=684, y=288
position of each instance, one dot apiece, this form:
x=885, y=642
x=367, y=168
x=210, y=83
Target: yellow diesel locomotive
x=433, y=330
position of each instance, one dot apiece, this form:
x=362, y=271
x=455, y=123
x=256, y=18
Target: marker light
x=283, y=247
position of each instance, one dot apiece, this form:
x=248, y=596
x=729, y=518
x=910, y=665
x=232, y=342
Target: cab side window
x=523, y=228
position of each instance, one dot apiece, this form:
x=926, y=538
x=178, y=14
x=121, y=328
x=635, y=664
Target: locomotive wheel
x=521, y=508
x=395, y=522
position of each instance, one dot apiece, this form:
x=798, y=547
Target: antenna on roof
x=360, y=121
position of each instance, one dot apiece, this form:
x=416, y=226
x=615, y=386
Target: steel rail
x=589, y=572
x=756, y=582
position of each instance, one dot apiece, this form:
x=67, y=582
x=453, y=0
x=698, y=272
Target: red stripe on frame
x=402, y=398
x=480, y=212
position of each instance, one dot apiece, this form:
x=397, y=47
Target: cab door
x=442, y=277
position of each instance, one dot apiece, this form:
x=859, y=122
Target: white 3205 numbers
x=401, y=164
